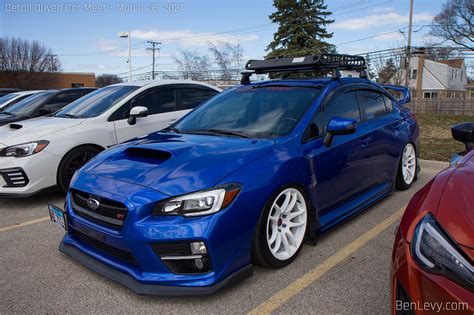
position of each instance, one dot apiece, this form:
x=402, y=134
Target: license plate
x=58, y=216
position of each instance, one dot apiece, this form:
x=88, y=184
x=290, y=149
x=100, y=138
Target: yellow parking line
x=307, y=279
x=15, y=226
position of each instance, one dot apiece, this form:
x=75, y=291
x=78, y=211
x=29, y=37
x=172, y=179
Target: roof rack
x=321, y=63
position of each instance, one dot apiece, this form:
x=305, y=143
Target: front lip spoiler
x=150, y=289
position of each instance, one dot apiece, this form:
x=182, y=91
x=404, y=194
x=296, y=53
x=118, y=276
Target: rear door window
x=372, y=102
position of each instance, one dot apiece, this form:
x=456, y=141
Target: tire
x=72, y=161
x=406, y=173
x=281, y=230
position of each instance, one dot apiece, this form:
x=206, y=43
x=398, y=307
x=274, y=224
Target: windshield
x=28, y=105
x=253, y=111
x=97, y=102
x=6, y=98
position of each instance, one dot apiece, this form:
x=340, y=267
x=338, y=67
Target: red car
x=433, y=255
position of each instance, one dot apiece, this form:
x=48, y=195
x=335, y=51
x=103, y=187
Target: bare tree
x=25, y=62
x=228, y=59
x=387, y=66
x=107, y=79
x=455, y=23
x=193, y=65
x=435, y=52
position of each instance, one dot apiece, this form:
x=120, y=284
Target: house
x=470, y=90
x=439, y=79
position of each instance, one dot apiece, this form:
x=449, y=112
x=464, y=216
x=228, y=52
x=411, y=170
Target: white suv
x=45, y=152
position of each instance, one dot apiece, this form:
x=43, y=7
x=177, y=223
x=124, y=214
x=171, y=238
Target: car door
x=162, y=111
x=342, y=170
x=385, y=124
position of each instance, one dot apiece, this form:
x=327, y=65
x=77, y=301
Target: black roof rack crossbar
x=323, y=62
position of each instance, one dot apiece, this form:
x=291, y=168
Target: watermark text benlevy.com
x=431, y=306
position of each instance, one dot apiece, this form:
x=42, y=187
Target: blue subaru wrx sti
x=247, y=177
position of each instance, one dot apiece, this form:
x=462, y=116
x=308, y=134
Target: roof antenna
x=336, y=75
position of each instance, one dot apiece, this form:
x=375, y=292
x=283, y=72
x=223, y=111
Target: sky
x=84, y=34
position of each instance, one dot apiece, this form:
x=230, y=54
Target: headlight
x=437, y=253
x=199, y=203
x=24, y=149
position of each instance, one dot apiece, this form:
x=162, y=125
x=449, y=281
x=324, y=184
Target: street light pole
x=127, y=35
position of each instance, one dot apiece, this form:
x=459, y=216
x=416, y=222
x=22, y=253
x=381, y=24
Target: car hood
x=5, y=119
x=176, y=164
x=34, y=129
x=456, y=211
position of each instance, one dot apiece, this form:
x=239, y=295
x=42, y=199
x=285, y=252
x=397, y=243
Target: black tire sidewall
x=62, y=176
x=261, y=252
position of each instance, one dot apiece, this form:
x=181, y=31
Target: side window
x=388, y=103
x=192, y=97
x=161, y=101
x=372, y=102
x=59, y=101
x=341, y=105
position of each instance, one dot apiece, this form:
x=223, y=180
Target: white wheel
x=286, y=224
x=408, y=164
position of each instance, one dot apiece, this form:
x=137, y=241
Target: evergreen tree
x=302, y=28
x=387, y=71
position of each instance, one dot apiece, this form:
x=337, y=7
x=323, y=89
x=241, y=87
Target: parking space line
x=307, y=279
x=15, y=226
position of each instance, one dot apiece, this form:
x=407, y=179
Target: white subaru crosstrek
x=43, y=153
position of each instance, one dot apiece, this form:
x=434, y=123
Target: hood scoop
x=147, y=155
x=16, y=126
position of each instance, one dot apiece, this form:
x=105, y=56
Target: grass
x=435, y=135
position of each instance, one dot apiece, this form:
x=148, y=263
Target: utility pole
x=51, y=67
x=154, y=47
x=407, y=65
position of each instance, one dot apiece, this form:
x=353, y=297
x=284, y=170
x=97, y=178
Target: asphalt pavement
x=346, y=273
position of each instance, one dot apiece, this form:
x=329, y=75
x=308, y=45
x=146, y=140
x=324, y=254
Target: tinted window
x=258, y=111
x=158, y=101
x=341, y=105
x=388, y=103
x=191, y=98
x=373, y=103
x=30, y=104
x=316, y=127
x=97, y=102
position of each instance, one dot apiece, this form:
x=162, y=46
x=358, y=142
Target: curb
x=431, y=163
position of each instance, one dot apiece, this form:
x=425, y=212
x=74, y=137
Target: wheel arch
x=94, y=145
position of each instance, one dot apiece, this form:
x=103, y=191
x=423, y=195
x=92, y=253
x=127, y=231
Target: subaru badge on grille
x=93, y=203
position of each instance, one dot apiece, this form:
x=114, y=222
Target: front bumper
x=38, y=173
x=415, y=291
x=146, y=288
x=128, y=255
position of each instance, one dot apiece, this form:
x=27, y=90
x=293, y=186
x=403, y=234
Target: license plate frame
x=58, y=216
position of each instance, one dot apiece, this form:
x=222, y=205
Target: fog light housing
x=198, y=248
x=184, y=257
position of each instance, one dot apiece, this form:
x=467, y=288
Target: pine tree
x=387, y=72
x=302, y=28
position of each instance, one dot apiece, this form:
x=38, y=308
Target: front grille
x=109, y=213
x=14, y=177
x=104, y=248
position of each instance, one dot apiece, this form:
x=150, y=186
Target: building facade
x=46, y=80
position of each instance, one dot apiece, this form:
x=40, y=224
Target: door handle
x=365, y=140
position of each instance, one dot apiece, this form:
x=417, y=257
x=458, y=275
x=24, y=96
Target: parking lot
x=347, y=272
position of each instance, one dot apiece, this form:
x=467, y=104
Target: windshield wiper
x=230, y=133
x=170, y=128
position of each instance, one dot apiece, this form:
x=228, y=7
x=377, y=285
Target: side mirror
x=338, y=126
x=464, y=132
x=137, y=111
